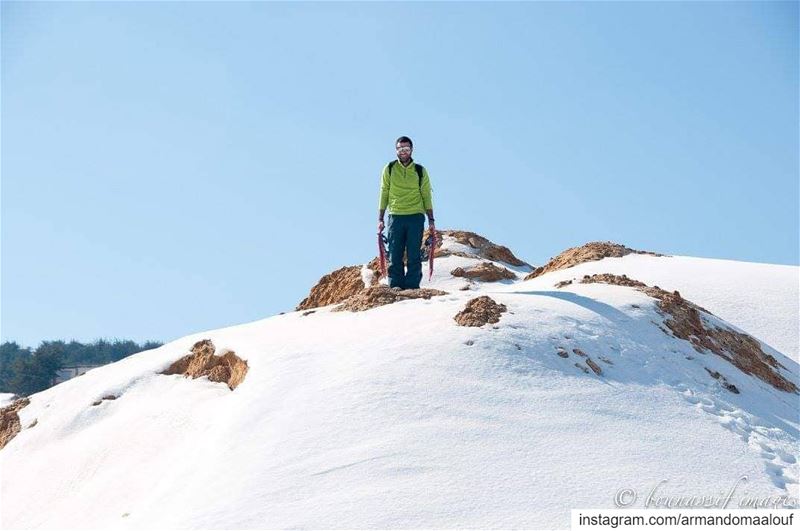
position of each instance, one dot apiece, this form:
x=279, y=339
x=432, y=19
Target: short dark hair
x=404, y=139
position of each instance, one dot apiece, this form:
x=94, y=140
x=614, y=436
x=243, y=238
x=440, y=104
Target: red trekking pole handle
x=382, y=254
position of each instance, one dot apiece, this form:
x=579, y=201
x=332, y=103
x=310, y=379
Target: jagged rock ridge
x=686, y=320
x=585, y=253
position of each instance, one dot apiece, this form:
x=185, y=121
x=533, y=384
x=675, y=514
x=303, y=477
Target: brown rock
x=346, y=281
x=562, y=352
x=484, y=248
x=723, y=381
x=485, y=271
x=617, y=280
x=563, y=283
x=219, y=373
x=228, y=368
x=9, y=421
x=579, y=352
x=595, y=367
x=480, y=311
x=338, y=285
x=107, y=397
x=687, y=321
x=585, y=253
x=381, y=295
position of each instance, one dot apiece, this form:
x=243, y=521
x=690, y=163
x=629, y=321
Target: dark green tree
x=24, y=372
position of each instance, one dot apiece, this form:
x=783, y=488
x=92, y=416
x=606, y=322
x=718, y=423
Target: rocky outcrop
x=345, y=282
x=723, y=381
x=585, y=253
x=228, y=367
x=107, y=397
x=594, y=366
x=483, y=247
x=338, y=285
x=686, y=321
x=480, y=311
x=561, y=351
x=485, y=271
x=381, y=295
x=10, y=424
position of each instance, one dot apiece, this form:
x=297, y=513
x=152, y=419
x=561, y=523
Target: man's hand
x=380, y=225
x=431, y=226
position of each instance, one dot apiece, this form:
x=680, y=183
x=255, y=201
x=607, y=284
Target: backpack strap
x=418, y=167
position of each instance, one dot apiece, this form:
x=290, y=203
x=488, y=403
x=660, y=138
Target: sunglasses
x=404, y=150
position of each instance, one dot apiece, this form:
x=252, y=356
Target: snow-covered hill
x=396, y=416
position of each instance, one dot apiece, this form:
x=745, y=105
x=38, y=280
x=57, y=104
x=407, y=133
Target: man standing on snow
x=406, y=190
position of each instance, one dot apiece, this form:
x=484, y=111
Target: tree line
x=24, y=371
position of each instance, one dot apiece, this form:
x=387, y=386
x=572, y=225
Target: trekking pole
x=382, y=253
x=432, y=237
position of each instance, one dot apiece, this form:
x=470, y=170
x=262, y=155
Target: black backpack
x=417, y=167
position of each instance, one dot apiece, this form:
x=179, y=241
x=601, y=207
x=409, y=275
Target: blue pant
x=405, y=234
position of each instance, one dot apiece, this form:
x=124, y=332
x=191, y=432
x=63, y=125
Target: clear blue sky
x=174, y=167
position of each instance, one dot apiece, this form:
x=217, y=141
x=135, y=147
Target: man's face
x=403, y=152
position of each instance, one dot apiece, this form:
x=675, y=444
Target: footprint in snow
x=779, y=463
x=786, y=457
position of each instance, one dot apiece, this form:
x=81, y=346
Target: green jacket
x=401, y=192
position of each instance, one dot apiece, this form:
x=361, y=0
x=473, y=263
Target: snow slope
x=397, y=417
x=761, y=299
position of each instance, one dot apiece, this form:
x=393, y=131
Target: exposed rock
x=484, y=248
x=595, y=367
x=347, y=281
x=380, y=295
x=480, y=311
x=723, y=381
x=107, y=397
x=228, y=367
x=686, y=321
x=339, y=285
x=563, y=283
x=579, y=352
x=585, y=253
x=562, y=352
x=485, y=271
x=309, y=312
x=9, y=421
x=608, y=278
